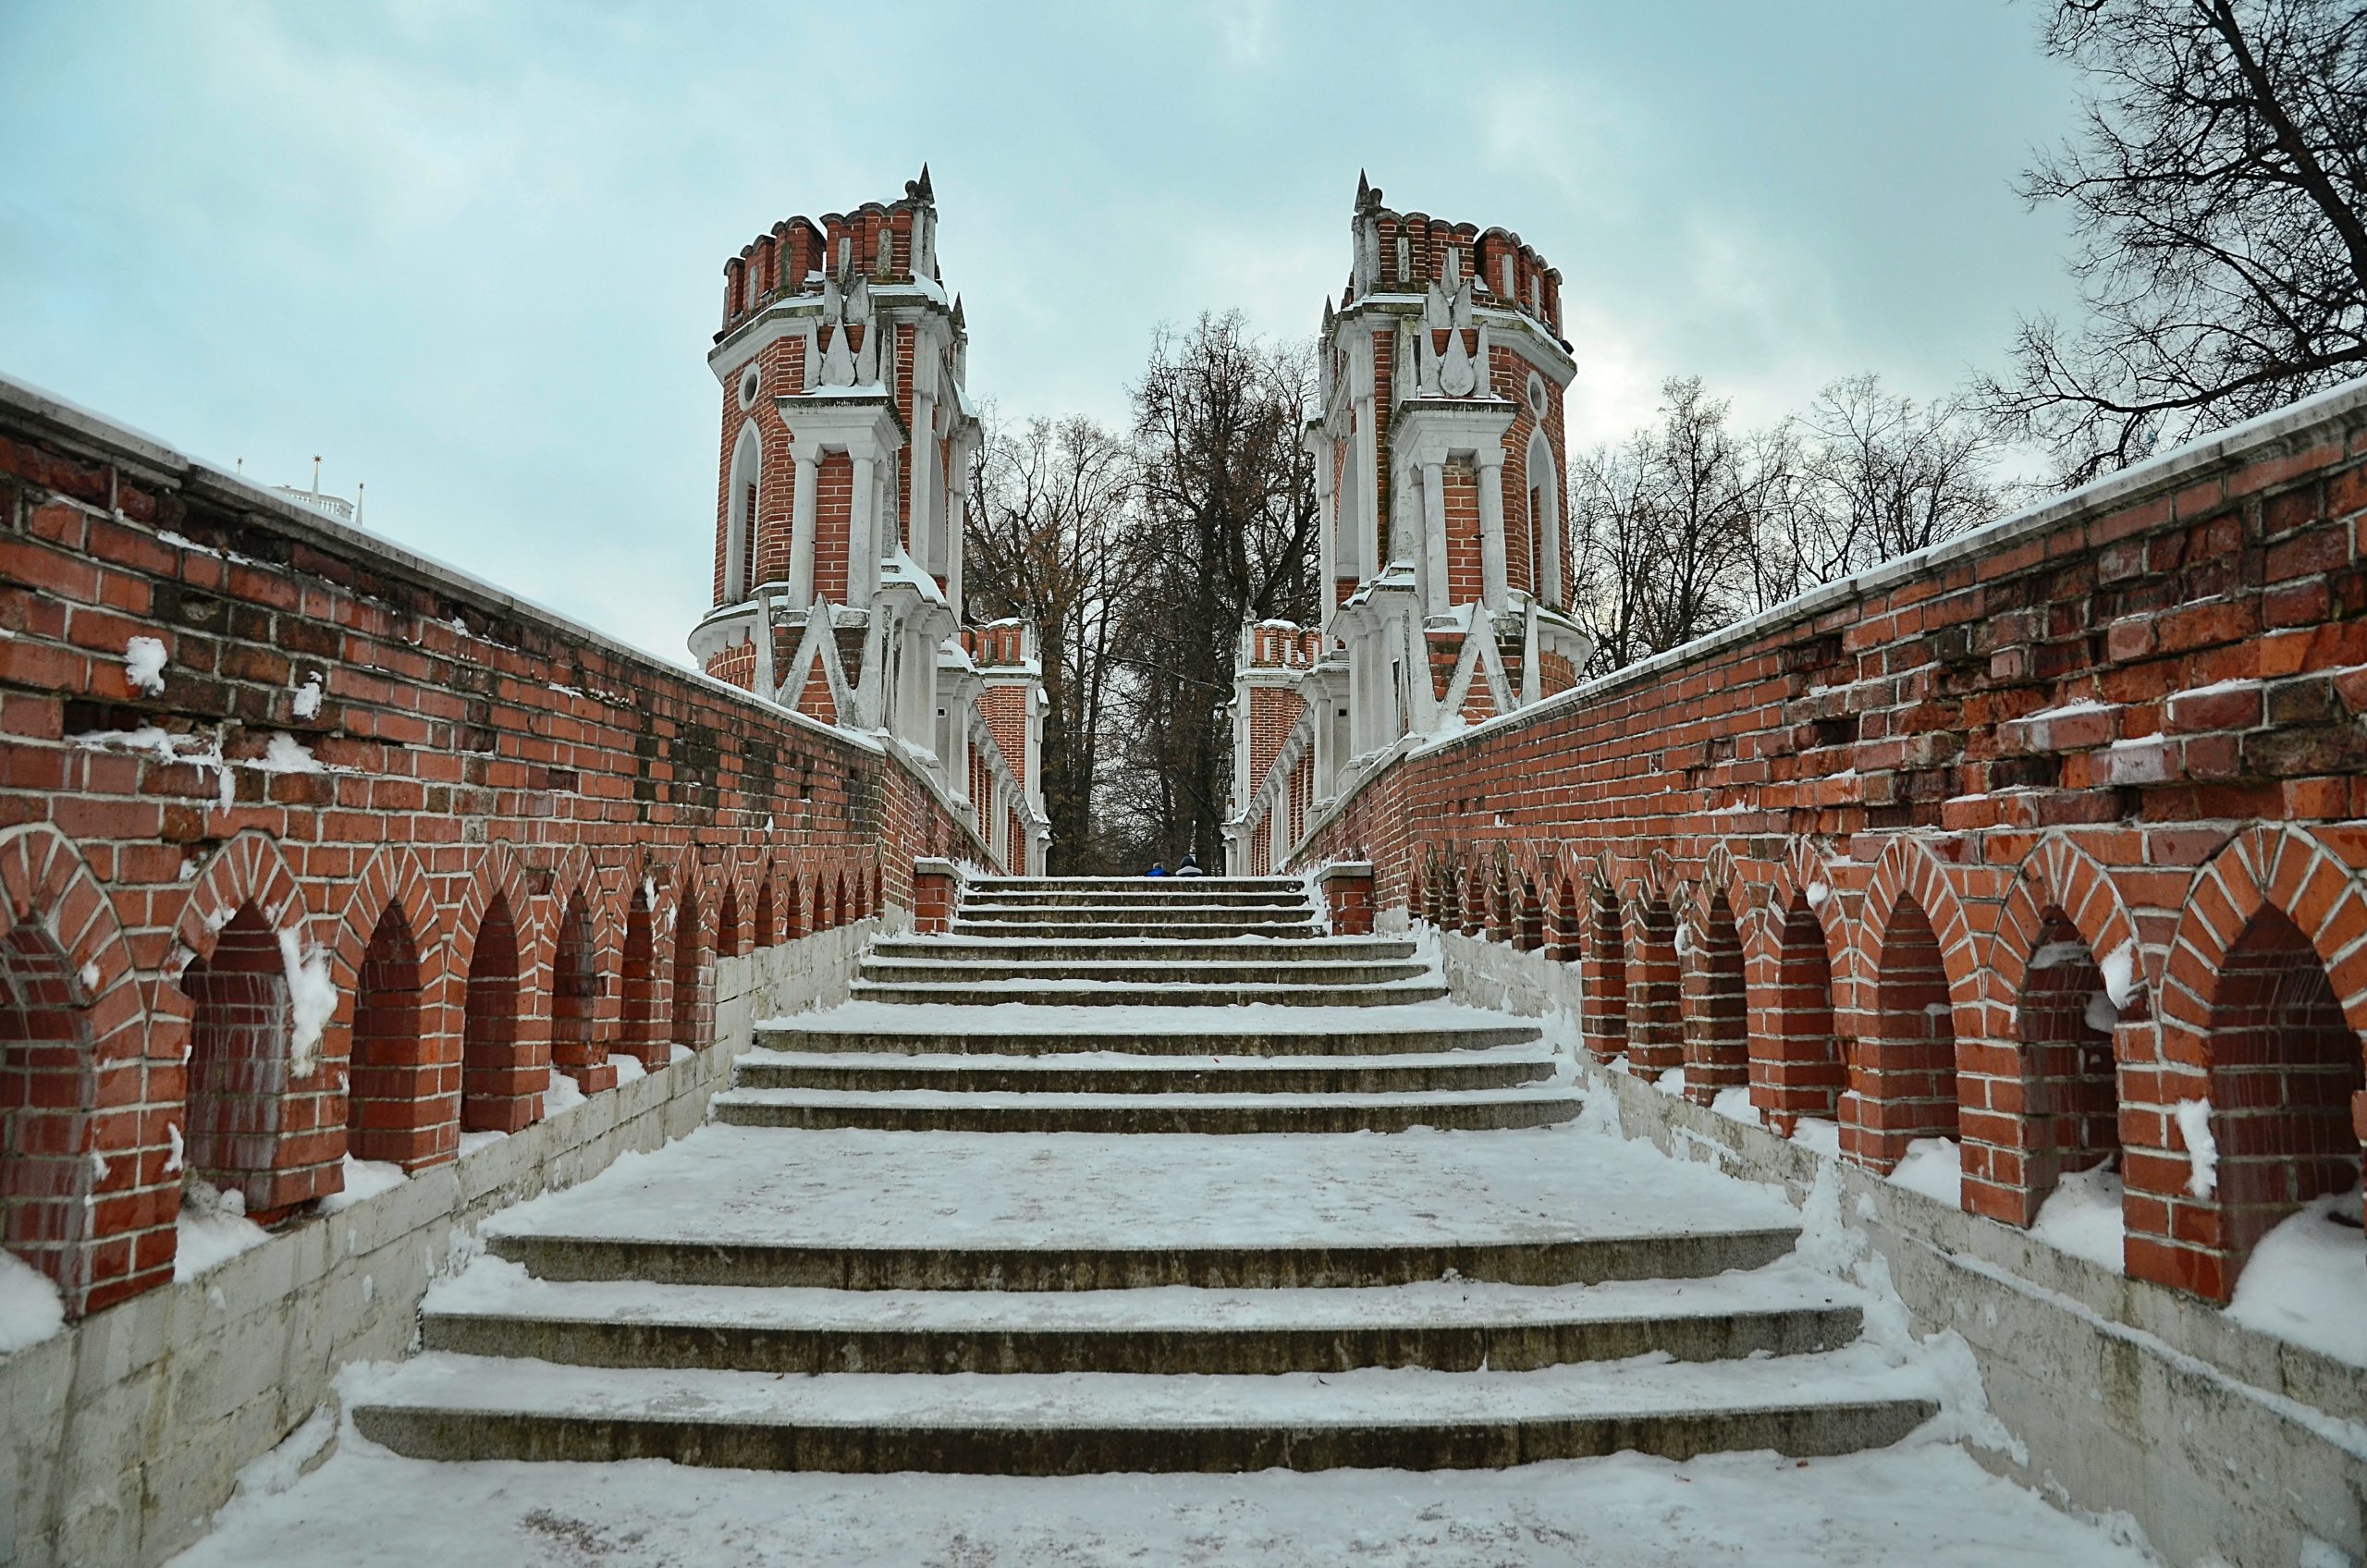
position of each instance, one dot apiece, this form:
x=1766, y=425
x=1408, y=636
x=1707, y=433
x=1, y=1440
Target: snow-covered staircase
x=881, y=1259
x=1139, y=1054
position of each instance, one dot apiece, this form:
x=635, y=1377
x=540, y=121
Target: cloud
x=1247, y=31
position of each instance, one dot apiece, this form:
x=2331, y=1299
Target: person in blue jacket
x=1157, y=869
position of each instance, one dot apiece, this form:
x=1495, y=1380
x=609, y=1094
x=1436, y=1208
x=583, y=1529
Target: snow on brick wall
x=2134, y=720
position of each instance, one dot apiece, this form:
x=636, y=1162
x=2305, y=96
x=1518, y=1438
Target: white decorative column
x=1495, y=590
x=801, y=528
x=862, y=536
x=767, y=686
x=925, y=545
x=1435, y=595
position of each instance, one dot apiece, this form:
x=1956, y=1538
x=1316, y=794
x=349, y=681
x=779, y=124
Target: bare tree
x=1690, y=524
x=1867, y=476
x=1226, y=534
x=1664, y=523
x=2219, y=186
x=1048, y=518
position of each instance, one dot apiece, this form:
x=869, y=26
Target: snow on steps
x=497, y=1309
x=1249, y=1294
x=1118, y=993
x=1135, y=1073
x=445, y=1407
x=967, y=1110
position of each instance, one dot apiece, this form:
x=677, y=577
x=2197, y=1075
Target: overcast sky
x=470, y=254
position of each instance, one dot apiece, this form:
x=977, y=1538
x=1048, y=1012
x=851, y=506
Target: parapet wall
x=315, y=848
x=2048, y=840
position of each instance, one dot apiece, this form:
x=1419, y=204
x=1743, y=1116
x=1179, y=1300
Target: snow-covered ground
x=1927, y=1506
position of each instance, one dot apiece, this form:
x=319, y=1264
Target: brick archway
x=1916, y=984
x=1714, y=919
x=505, y=1047
x=1802, y=941
x=392, y=1028
x=2263, y=1005
x=70, y=1000
x=261, y=1076
x=2042, y=1098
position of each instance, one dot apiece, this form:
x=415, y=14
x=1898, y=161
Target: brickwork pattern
x=2028, y=843
x=498, y=843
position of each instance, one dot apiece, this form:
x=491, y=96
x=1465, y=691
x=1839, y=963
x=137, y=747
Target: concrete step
x=777, y=1261
x=1126, y=884
x=1251, y=1041
x=1284, y=929
x=1228, y=1115
x=1251, y=970
x=1153, y=949
x=1118, y=1073
x=1458, y=1326
x=457, y=1407
x=1154, y=897
x=1184, y=919
x=1093, y=993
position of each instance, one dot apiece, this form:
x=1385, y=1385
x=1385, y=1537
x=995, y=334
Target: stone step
x=777, y=1261
x=1252, y=1041
x=457, y=1407
x=1148, y=949
x=1092, y=992
x=998, y=886
x=1252, y=971
x=1117, y=1072
x=1183, y=919
x=1458, y=1326
x=1285, y=929
x=1154, y=897
x=1235, y=1115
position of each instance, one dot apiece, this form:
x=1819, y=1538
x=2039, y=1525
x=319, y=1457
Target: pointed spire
x=920, y=189
x=959, y=320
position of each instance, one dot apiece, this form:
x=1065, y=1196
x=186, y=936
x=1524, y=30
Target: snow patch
x=2306, y=1280
x=285, y=753
x=273, y=1473
x=1672, y=1082
x=143, y=665
x=2101, y=1015
x=88, y=976
x=1818, y=892
x=2120, y=974
x=2082, y=1217
x=1933, y=1167
x=312, y=997
x=1734, y=1105
x=564, y=1093
x=363, y=1179
x=174, y=1150
x=627, y=1067
x=307, y=703
x=1819, y=1134
x=678, y=1052
x=2193, y=1118
x=31, y=1308
x=213, y=1228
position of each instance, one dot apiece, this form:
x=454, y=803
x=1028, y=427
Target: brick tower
x=1439, y=464
x=846, y=433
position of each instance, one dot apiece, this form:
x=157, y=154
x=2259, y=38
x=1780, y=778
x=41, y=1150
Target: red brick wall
x=833, y=516
x=481, y=767
x=1462, y=511
x=2128, y=730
